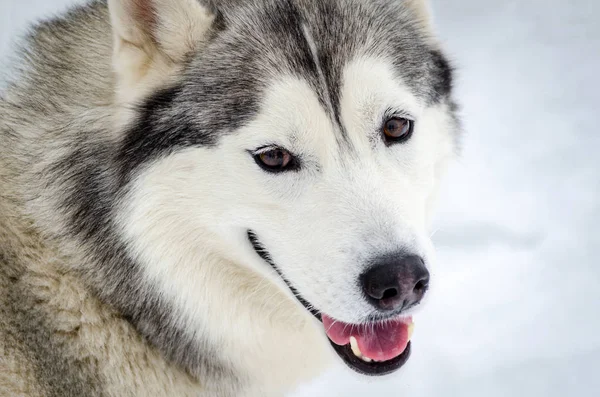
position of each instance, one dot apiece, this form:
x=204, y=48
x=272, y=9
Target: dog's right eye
x=276, y=160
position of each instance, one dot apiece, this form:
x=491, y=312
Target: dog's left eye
x=397, y=130
x=276, y=160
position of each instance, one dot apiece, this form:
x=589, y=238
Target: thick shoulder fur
x=56, y=337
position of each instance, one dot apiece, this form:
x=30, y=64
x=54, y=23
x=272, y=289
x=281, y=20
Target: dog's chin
x=372, y=348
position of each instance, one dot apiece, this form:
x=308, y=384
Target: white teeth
x=356, y=350
x=411, y=330
x=354, y=347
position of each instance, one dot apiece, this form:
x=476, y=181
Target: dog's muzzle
x=393, y=284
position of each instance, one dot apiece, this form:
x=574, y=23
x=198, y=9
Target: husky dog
x=218, y=197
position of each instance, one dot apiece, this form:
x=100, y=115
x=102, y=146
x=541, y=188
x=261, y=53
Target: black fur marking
x=158, y=132
x=331, y=21
x=442, y=76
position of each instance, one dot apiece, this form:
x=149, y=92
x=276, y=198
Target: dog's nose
x=396, y=282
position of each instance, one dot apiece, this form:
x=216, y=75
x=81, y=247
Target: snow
x=515, y=308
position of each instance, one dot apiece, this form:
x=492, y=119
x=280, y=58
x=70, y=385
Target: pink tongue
x=379, y=342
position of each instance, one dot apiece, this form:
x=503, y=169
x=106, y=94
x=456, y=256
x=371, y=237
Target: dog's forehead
x=257, y=42
x=315, y=41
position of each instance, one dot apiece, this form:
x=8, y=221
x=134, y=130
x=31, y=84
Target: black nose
x=396, y=281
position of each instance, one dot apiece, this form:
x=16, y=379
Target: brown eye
x=397, y=130
x=276, y=160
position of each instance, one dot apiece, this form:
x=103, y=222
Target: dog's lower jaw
x=283, y=348
x=267, y=339
x=284, y=371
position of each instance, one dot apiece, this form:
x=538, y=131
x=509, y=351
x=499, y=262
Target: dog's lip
x=373, y=368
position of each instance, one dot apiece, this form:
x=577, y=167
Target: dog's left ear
x=152, y=39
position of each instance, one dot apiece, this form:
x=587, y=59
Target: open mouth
x=373, y=349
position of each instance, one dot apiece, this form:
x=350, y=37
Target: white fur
x=188, y=215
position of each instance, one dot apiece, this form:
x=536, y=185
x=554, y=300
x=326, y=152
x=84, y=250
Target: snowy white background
x=516, y=306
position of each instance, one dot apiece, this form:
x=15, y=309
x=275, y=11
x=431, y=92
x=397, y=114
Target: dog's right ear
x=422, y=9
x=152, y=39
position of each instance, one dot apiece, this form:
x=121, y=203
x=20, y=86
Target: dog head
x=301, y=141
